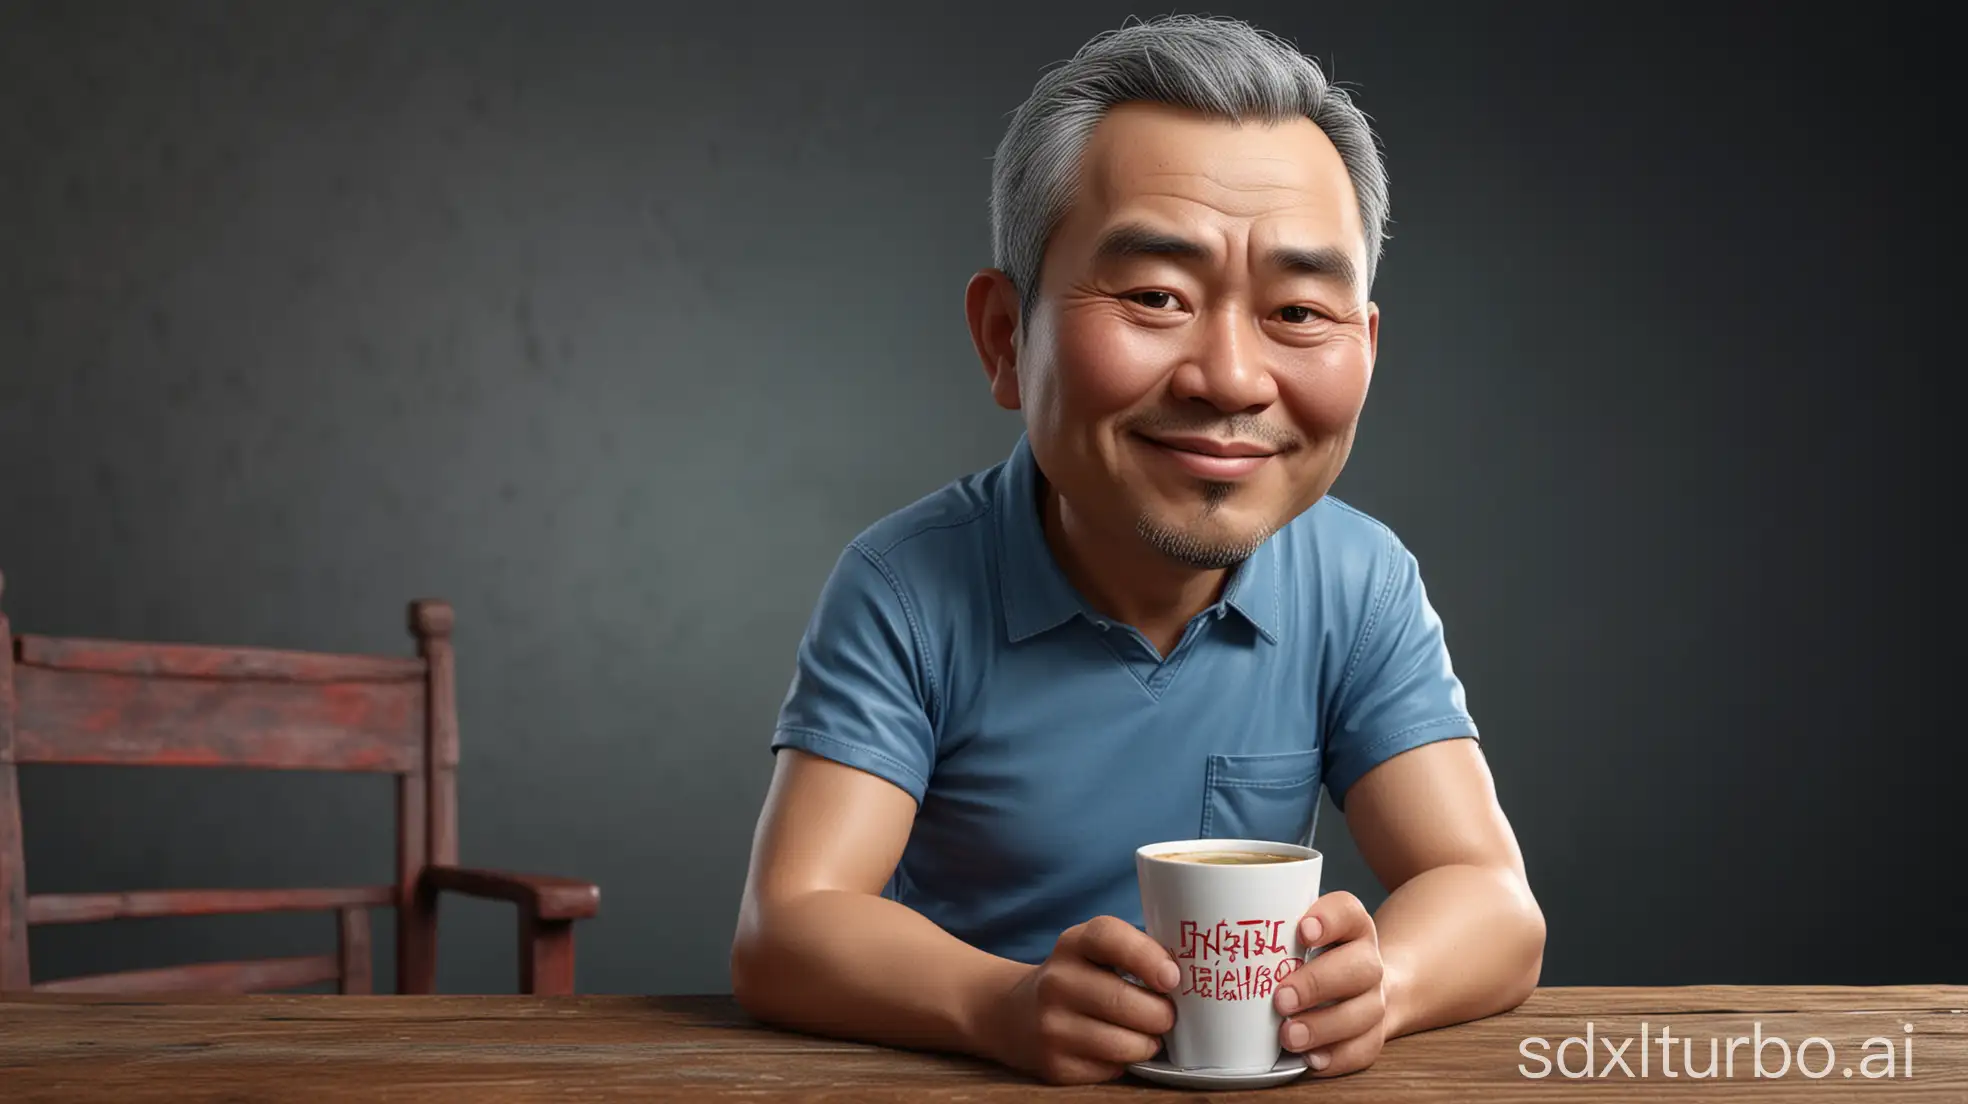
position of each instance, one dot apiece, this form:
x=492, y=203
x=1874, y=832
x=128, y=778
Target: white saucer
x=1289, y=1068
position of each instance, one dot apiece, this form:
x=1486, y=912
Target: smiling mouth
x=1210, y=458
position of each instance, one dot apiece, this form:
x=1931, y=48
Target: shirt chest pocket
x=1262, y=797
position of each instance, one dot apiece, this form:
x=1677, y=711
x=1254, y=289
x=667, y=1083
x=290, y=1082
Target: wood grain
x=355, y=971
x=510, y=1049
x=122, y=657
x=546, y=955
x=120, y=719
x=89, y=908
x=416, y=902
x=545, y=896
x=242, y=976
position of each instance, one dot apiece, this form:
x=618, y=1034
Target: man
x=1149, y=623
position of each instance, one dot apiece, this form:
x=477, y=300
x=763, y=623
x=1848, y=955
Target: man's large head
x=1186, y=219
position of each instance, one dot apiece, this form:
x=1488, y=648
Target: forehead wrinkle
x=1208, y=179
x=1214, y=246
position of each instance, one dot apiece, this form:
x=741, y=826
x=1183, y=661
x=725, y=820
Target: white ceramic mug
x=1233, y=931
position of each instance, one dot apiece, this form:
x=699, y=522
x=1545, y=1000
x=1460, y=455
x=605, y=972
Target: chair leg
x=546, y=956
x=416, y=944
x=353, y=924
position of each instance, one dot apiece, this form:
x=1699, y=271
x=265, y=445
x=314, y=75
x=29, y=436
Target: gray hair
x=1221, y=67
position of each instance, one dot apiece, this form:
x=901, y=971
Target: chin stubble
x=1189, y=549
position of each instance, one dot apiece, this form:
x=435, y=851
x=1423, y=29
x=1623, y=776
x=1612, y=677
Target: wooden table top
x=507, y=1048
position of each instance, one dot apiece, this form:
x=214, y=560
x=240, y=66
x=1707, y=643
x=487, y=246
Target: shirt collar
x=1257, y=589
x=1036, y=595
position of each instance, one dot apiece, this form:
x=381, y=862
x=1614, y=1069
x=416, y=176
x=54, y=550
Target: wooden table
x=499, y=1049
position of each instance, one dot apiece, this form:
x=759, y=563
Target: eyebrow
x=1134, y=239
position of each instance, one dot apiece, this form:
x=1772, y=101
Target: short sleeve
x=1400, y=690
x=859, y=694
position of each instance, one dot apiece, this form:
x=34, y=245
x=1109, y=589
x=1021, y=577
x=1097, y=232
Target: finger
x=1112, y=941
x=1335, y=918
x=1351, y=1056
x=1345, y=971
x=1081, y=1036
x=1092, y=991
x=1324, y=1027
x=1068, y=1070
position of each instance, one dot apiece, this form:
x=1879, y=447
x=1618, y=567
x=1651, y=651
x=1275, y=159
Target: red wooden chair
x=145, y=704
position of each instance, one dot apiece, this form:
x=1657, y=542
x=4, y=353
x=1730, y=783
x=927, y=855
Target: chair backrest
x=84, y=701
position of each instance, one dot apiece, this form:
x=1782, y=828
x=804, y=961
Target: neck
x=1126, y=580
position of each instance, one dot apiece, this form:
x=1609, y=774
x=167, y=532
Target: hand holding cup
x=1337, y=1010
x=1073, y=1020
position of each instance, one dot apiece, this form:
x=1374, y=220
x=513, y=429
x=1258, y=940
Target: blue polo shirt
x=1043, y=742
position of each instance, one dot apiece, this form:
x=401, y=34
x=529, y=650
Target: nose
x=1226, y=368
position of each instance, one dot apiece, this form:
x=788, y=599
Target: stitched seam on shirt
x=1127, y=665
x=863, y=749
x=924, y=667
x=1453, y=719
x=1373, y=621
x=1278, y=595
x=1168, y=672
x=1209, y=787
x=1356, y=512
x=1290, y=784
x=982, y=509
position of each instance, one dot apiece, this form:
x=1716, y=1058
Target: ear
x=1373, y=336
x=991, y=304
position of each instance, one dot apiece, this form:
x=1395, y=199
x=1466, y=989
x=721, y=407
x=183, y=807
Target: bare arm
x=1460, y=934
x=819, y=950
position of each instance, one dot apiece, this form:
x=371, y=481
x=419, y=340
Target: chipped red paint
x=203, y=661
x=86, y=717
x=85, y=701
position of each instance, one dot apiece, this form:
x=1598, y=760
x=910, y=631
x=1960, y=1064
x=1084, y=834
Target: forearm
x=854, y=965
x=1458, y=943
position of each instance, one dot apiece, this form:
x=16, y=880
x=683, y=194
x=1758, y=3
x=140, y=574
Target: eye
x=1299, y=314
x=1153, y=300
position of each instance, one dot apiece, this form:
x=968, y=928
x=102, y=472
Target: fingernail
x=1288, y=1000
x=1311, y=929
x=1170, y=975
x=1296, y=1036
x=1318, y=1060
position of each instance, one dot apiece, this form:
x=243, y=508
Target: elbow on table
x=1532, y=953
x=751, y=986
x=768, y=970
x=750, y=970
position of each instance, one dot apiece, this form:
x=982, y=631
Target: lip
x=1210, y=458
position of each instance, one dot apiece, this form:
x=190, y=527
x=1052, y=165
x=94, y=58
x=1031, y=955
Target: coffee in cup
x=1231, y=858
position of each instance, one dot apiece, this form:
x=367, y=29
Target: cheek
x=1104, y=366
x=1326, y=388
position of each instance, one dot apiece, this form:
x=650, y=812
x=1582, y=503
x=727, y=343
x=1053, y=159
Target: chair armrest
x=543, y=895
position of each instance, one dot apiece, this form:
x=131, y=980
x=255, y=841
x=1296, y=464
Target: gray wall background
x=611, y=323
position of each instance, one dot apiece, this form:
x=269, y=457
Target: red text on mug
x=1223, y=959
